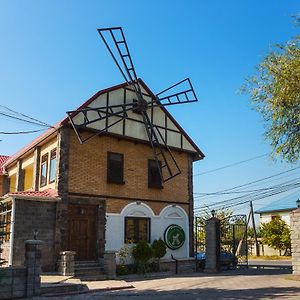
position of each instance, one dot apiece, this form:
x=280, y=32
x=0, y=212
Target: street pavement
x=248, y=284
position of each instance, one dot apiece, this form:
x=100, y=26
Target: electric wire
x=230, y=165
x=34, y=120
x=249, y=197
x=255, y=181
x=20, y=132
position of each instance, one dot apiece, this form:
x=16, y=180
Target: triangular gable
x=133, y=126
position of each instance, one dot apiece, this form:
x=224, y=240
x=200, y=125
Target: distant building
x=280, y=208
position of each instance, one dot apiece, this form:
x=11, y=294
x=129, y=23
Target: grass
x=270, y=257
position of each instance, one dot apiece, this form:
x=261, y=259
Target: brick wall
x=88, y=171
x=116, y=205
x=295, y=238
x=31, y=215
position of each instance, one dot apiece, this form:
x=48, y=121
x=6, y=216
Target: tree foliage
x=142, y=252
x=159, y=248
x=276, y=234
x=275, y=93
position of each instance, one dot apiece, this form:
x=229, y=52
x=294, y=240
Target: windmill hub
x=140, y=106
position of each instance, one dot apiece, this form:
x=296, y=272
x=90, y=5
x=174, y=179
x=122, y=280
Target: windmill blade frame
x=160, y=149
x=130, y=73
x=176, y=97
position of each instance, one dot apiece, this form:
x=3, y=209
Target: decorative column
x=67, y=264
x=36, y=168
x=212, y=242
x=295, y=239
x=110, y=264
x=20, y=177
x=33, y=267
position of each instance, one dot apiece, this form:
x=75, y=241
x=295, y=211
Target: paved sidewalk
x=229, y=285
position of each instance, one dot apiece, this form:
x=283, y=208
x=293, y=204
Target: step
x=96, y=277
x=86, y=262
x=61, y=288
x=89, y=271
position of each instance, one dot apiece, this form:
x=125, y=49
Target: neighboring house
x=280, y=208
x=99, y=195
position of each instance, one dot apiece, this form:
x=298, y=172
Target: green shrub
x=159, y=250
x=142, y=253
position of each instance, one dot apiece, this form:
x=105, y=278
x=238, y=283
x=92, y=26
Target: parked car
x=227, y=260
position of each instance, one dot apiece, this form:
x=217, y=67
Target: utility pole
x=254, y=228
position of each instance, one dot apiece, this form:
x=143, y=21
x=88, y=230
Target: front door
x=83, y=230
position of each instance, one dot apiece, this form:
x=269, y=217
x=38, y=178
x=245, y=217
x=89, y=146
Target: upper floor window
x=115, y=167
x=154, y=174
x=44, y=170
x=52, y=171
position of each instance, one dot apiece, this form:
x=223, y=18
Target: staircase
x=89, y=270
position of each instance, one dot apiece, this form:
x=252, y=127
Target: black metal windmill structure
x=179, y=93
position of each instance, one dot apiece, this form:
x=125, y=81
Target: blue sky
x=52, y=59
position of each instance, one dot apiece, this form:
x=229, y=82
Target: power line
x=251, y=196
x=20, y=132
x=256, y=181
x=230, y=165
x=239, y=192
x=36, y=121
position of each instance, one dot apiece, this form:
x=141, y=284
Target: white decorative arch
x=175, y=211
x=137, y=209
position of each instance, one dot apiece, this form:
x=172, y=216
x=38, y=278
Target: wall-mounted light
x=298, y=203
x=213, y=213
x=138, y=202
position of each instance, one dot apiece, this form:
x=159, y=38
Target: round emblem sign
x=174, y=237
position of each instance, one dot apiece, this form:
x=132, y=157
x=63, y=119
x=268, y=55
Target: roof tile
x=48, y=193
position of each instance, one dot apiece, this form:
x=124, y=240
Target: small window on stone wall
x=115, y=167
x=52, y=171
x=44, y=170
x=137, y=230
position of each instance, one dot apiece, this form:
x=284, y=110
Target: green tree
x=142, y=253
x=276, y=234
x=275, y=92
x=159, y=250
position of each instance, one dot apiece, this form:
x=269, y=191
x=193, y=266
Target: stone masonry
x=23, y=281
x=212, y=242
x=31, y=216
x=295, y=239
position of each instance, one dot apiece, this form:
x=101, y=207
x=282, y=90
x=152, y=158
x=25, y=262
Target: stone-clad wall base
x=21, y=282
x=295, y=238
x=30, y=216
x=184, y=265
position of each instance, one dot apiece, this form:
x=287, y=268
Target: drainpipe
x=12, y=231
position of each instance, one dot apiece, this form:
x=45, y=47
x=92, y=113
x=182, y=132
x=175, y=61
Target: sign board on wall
x=174, y=237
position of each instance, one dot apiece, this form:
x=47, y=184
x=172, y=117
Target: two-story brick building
x=102, y=194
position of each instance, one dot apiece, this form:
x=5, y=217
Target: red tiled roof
x=3, y=159
x=48, y=193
